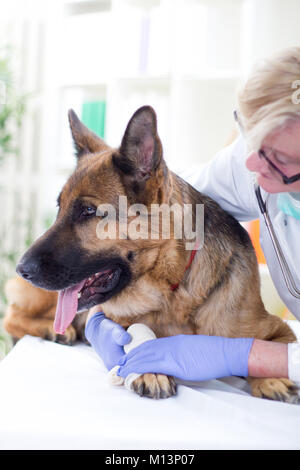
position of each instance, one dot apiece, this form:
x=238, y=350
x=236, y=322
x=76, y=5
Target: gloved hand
x=189, y=357
x=107, y=338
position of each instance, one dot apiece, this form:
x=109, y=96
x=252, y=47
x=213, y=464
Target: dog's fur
x=218, y=295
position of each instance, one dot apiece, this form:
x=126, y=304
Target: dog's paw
x=154, y=386
x=275, y=389
x=68, y=338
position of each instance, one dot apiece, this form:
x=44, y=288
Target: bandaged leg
x=139, y=334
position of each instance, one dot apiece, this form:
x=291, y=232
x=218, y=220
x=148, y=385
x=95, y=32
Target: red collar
x=175, y=286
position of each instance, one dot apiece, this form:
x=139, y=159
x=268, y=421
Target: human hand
x=107, y=338
x=189, y=357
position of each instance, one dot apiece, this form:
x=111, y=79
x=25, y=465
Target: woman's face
x=282, y=147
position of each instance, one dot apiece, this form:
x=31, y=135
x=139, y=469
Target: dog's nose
x=28, y=270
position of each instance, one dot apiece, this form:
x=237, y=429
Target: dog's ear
x=141, y=150
x=85, y=141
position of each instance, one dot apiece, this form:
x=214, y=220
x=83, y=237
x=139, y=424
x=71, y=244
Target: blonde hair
x=265, y=101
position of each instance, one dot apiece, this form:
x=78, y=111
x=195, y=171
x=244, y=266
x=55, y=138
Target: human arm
x=176, y=355
x=268, y=359
x=272, y=359
x=197, y=357
x=189, y=357
x=265, y=358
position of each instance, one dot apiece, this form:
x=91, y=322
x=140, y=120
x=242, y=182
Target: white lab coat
x=227, y=180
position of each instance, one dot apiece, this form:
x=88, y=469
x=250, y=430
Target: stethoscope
x=288, y=278
x=286, y=272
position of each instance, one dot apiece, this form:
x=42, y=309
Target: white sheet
x=58, y=397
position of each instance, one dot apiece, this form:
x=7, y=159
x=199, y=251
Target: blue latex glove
x=107, y=338
x=189, y=357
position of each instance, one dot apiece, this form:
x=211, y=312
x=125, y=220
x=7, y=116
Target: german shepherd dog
x=133, y=280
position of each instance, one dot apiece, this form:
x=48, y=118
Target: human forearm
x=205, y=357
x=268, y=359
x=263, y=358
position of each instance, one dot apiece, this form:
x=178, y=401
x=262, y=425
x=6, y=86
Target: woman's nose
x=255, y=163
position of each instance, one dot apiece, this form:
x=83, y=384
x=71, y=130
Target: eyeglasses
x=285, y=179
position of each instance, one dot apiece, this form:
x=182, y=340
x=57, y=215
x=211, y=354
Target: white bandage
x=113, y=378
x=294, y=361
x=139, y=334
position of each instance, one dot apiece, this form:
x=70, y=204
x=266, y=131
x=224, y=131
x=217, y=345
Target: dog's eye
x=88, y=211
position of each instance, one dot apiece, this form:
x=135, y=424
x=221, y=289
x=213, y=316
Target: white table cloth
x=58, y=397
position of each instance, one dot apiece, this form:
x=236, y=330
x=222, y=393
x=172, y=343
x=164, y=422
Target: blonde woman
x=269, y=149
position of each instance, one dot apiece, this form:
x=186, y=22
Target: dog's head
x=71, y=257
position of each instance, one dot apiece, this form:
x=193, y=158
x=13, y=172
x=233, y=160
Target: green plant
x=12, y=108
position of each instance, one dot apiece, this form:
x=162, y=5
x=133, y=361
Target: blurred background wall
x=104, y=59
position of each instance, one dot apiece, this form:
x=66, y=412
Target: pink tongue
x=66, y=307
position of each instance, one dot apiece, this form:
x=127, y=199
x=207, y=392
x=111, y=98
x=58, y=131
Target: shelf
x=142, y=5
x=212, y=75
x=210, y=3
x=80, y=7
x=144, y=80
x=88, y=86
x=138, y=81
